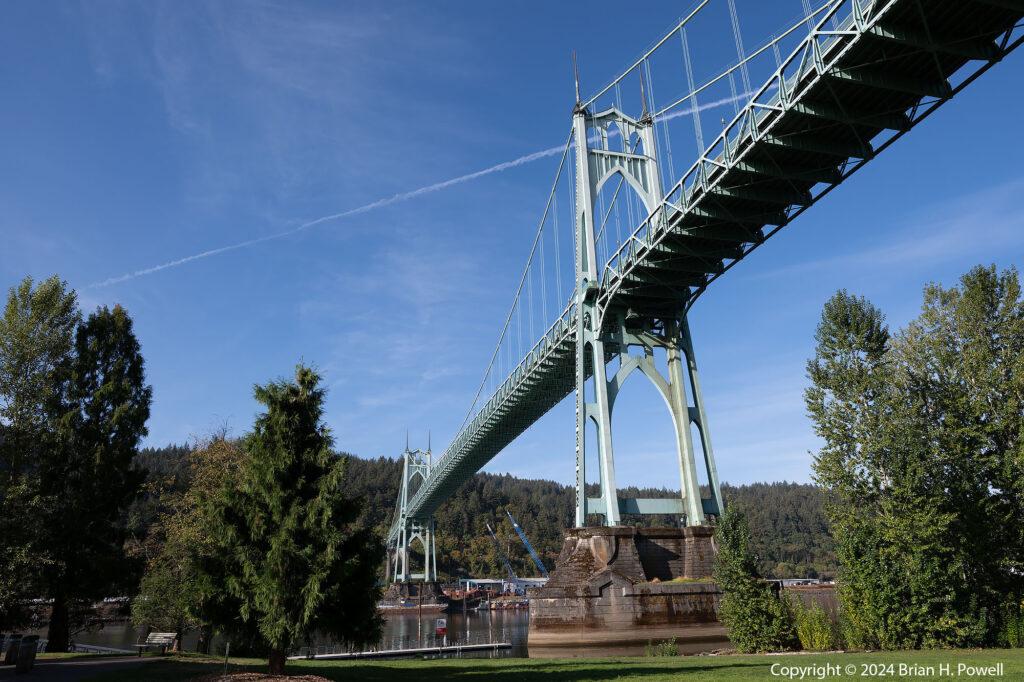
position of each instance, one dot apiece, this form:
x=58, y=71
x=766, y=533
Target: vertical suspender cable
x=558, y=261
x=519, y=325
x=529, y=300
x=664, y=127
x=807, y=15
x=693, y=105
x=739, y=46
x=543, y=285
x=735, y=96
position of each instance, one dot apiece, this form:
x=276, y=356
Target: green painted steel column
x=600, y=412
x=699, y=416
x=584, y=268
x=588, y=340
x=684, y=440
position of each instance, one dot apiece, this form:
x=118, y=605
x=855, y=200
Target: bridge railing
x=770, y=101
x=551, y=339
x=544, y=345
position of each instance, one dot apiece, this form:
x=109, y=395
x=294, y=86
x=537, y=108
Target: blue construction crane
x=529, y=547
x=508, y=567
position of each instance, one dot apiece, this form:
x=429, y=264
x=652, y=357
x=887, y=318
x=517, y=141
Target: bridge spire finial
x=428, y=440
x=576, y=76
x=407, y=440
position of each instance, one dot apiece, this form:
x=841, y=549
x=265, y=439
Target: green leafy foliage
x=666, y=648
x=37, y=335
x=36, y=338
x=1012, y=619
x=170, y=591
x=287, y=559
x=922, y=463
x=815, y=629
x=757, y=618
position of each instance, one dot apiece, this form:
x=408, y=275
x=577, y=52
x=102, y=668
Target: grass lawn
x=695, y=668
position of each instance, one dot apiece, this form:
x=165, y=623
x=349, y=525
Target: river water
x=409, y=631
x=401, y=631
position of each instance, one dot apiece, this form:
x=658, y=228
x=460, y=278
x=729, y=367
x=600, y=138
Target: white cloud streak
x=380, y=203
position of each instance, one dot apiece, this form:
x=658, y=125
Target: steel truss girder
x=827, y=175
x=970, y=48
x=880, y=78
x=892, y=121
x=1013, y=5
x=679, y=247
x=732, y=233
x=783, y=196
x=713, y=212
x=690, y=264
x=820, y=145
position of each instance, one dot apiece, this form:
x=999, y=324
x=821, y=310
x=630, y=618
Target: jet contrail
x=394, y=199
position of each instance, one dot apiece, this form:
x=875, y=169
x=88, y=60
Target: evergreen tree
x=86, y=481
x=288, y=561
x=757, y=619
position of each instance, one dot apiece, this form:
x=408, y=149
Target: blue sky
x=140, y=134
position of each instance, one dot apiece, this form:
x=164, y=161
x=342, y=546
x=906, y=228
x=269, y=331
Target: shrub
x=1012, y=631
x=814, y=627
x=757, y=618
x=666, y=648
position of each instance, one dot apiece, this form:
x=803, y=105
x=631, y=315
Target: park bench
x=160, y=639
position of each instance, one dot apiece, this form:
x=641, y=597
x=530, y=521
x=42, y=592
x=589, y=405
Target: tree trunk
x=58, y=632
x=177, y=641
x=203, y=647
x=277, y=661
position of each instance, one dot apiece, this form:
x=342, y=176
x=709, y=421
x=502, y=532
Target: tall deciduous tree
x=171, y=590
x=85, y=478
x=922, y=461
x=36, y=337
x=288, y=561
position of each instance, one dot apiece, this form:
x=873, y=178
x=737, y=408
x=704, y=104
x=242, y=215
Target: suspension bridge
x=859, y=75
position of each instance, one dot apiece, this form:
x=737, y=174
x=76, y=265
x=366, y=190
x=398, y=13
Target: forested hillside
x=786, y=519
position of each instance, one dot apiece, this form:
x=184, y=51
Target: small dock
x=422, y=651
x=95, y=649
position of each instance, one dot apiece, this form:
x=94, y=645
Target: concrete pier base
x=624, y=586
x=410, y=596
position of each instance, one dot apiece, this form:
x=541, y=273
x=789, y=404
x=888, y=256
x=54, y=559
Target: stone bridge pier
x=618, y=585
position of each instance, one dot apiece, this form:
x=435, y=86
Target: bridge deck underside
x=873, y=85
x=883, y=77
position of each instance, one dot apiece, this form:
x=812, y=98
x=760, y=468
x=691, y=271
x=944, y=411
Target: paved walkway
x=71, y=669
